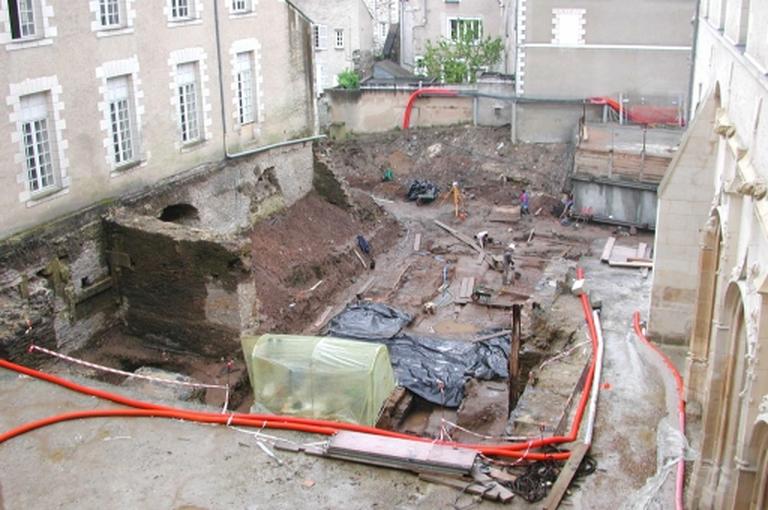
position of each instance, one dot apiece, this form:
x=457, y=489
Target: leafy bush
x=349, y=79
x=458, y=61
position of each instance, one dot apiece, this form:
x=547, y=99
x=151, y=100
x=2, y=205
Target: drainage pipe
x=257, y=150
x=596, y=381
x=680, y=482
x=514, y=450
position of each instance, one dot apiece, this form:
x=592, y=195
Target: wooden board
x=505, y=214
x=321, y=320
x=566, y=476
x=416, y=456
x=606, y=256
x=461, y=237
x=624, y=263
x=641, y=250
x=417, y=242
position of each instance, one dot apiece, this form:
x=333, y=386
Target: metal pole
x=514, y=362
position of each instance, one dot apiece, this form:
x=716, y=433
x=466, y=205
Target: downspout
x=688, y=107
x=256, y=150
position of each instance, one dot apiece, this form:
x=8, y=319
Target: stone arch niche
x=706, y=293
x=725, y=376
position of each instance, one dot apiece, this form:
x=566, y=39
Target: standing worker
x=524, y=199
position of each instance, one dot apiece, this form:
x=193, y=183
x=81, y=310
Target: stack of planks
x=415, y=456
x=466, y=289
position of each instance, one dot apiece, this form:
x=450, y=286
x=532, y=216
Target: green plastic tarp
x=318, y=377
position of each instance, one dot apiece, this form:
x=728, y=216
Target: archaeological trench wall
x=182, y=283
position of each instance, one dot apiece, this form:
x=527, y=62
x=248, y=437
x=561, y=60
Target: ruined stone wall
x=181, y=290
x=55, y=280
x=74, y=279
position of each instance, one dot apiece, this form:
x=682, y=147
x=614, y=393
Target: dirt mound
x=309, y=242
x=479, y=158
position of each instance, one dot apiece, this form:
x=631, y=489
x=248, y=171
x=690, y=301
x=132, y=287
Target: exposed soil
x=311, y=241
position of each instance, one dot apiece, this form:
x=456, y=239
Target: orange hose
x=316, y=426
x=680, y=481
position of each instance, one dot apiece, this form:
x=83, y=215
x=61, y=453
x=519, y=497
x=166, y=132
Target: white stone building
x=713, y=207
x=105, y=97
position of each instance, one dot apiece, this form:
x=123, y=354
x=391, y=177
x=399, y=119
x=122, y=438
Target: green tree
x=349, y=79
x=459, y=60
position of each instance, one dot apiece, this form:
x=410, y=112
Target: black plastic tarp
x=435, y=369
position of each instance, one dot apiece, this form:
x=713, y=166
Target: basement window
x=184, y=214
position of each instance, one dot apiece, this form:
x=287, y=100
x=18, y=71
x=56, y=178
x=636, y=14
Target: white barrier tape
x=127, y=374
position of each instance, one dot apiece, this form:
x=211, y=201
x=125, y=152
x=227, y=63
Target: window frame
x=189, y=124
x=338, y=44
x=176, y=5
x=104, y=13
x=36, y=140
x=461, y=21
x=246, y=6
x=17, y=24
x=320, y=36
x=125, y=126
x=246, y=96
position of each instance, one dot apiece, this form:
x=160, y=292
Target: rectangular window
x=121, y=120
x=461, y=29
x=339, y=39
x=383, y=30
x=181, y=9
x=35, y=134
x=320, y=36
x=245, y=95
x=419, y=68
x=241, y=6
x=109, y=13
x=23, y=19
x=189, y=115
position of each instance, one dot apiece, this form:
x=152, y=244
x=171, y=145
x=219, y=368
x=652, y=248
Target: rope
x=34, y=347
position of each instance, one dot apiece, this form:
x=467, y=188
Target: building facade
x=713, y=208
x=593, y=48
x=342, y=36
x=106, y=97
x=433, y=20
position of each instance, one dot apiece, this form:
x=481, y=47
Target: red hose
x=415, y=95
x=680, y=482
x=147, y=409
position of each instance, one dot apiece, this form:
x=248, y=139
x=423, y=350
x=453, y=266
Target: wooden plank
x=503, y=332
x=417, y=242
x=414, y=456
x=321, y=320
x=360, y=258
x=623, y=263
x=607, y=249
x=639, y=259
x=566, y=476
x=641, y=249
x=461, y=237
x=365, y=287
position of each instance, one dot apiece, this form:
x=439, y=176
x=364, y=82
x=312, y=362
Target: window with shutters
x=187, y=88
x=320, y=36
x=120, y=106
x=36, y=129
x=245, y=88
